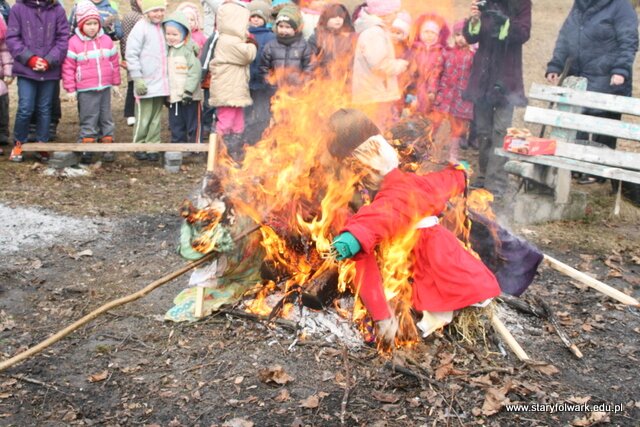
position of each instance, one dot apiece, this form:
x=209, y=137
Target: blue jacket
x=602, y=38
x=263, y=35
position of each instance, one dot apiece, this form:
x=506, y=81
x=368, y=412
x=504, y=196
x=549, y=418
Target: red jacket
x=446, y=276
x=454, y=80
x=425, y=68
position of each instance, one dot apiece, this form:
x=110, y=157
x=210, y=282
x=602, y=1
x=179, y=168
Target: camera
x=481, y=5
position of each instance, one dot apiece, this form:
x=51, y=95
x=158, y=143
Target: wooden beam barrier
x=116, y=147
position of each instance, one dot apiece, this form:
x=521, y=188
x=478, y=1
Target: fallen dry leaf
x=384, y=397
x=101, y=376
x=238, y=422
x=547, y=369
x=593, y=419
x=495, y=399
x=310, y=402
x=6, y=321
x=579, y=400
x=443, y=371
x=282, y=396
x=238, y=380
x=275, y=374
x=78, y=255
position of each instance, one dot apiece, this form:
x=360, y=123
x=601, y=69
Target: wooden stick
x=113, y=147
x=211, y=162
x=508, y=338
x=106, y=307
x=113, y=304
x=551, y=317
x=590, y=281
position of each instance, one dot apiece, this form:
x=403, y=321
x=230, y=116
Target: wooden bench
x=545, y=191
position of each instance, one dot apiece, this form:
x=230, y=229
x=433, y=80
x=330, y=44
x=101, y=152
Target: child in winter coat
x=184, y=80
x=111, y=25
x=429, y=42
x=194, y=18
x=89, y=73
x=38, y=56
x=446, y=277
x=453, y=82
x=258, y=114
x=376, y=69
x=6, y=78
x=129, y=20
x=333, y=42
x=146, y=57
x=400, y=31
x=229, y=68
x=287, y=59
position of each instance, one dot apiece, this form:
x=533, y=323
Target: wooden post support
x=508, y=338
x=211, y=162
x=591, y=282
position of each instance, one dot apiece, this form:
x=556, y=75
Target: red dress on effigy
x=446, y=276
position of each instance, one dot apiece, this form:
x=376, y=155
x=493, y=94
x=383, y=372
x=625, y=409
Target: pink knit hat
x=382, y=7
x=86, y=10
x=458, y=27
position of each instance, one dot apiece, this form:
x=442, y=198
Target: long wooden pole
x=590, y=281
x=103, y=309
x=508, y=338
x=113, y=304
x=198, y=311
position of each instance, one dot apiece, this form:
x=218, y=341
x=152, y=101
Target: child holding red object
x=89, y=73
x=426, y=56
x=38, y=57
x=454, y=80
x=446, y=277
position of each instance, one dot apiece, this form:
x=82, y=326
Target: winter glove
x=345, y=246
x=252, y=40
x=462, y=165
x=140, y=87
x=187, y=98
x=386, y=331
x=504, y=30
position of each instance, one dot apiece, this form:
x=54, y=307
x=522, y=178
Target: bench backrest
x=567, y=120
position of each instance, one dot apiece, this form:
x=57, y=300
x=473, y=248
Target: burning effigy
x=431, y=250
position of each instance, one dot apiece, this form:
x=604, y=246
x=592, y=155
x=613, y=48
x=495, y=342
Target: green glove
x=140, y=87
x=504, y=30
x=345, y=246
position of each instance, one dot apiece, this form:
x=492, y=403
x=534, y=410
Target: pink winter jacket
x=6, y=60
x=91, y=64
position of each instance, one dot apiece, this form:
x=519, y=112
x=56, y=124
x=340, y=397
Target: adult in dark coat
x=601, y=37
x=500, y=27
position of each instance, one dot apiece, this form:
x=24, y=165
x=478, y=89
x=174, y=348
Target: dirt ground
x=70, y=244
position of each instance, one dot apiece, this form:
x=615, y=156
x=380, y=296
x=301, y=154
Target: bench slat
x=605, y=156
x=576, y=166
x=580, y=122
x=595, y=100
x=114, y=147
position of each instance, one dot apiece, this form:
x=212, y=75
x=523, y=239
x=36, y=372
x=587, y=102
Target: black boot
x=235, y=148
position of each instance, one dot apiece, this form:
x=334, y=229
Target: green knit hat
x=291, y=15
x=150, y=5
